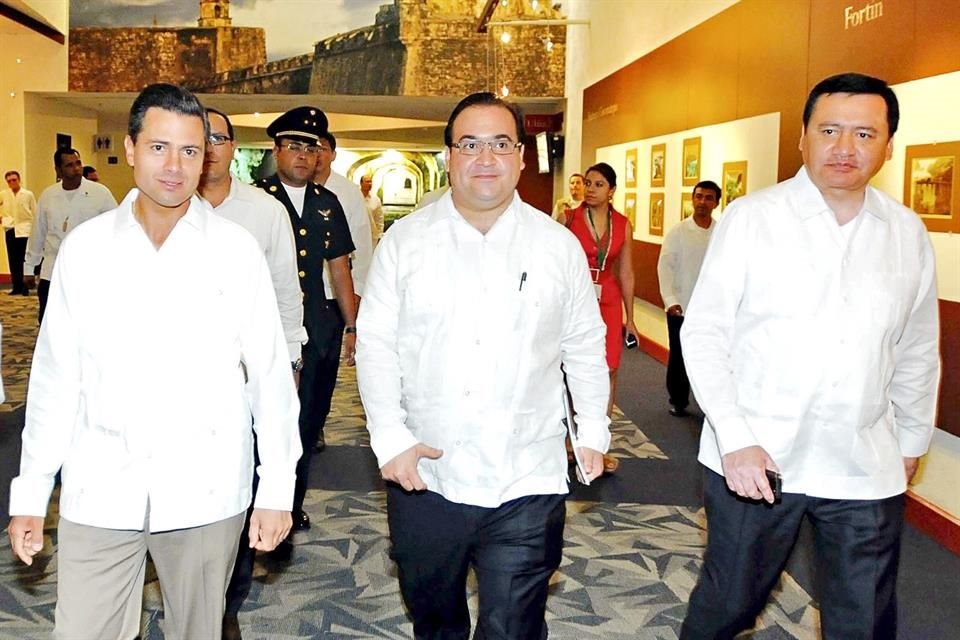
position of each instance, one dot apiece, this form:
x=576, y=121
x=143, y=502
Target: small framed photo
x=658, y=165
x=691, y=161
x=656, y=214
x=686, y=206
x=930, y=171
x=734, y=182
x=630, y=170
x=630, y=208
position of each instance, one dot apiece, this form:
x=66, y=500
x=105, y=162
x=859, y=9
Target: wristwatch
x=297, y=365
x=350, y=329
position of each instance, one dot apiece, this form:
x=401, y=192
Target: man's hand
x=268, y=528
x=26, y=537
x=402, y=469
x=675, y=310
x=745, y=473
x=910, y=466
x=349, y=349
x=592, y=461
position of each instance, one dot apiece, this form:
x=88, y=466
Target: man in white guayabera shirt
x=811, y=342
x=148, y=400
x=471, y=306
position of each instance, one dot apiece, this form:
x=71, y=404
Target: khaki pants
x=101, y=572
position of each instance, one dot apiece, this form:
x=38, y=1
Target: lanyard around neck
x=602, y=252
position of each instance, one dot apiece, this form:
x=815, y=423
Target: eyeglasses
x=474, y=147
x=301, y=147
x=217, y=139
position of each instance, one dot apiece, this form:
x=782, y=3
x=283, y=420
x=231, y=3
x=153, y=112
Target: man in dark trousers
x=323, y=239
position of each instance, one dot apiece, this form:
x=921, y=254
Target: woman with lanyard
x=603, y=233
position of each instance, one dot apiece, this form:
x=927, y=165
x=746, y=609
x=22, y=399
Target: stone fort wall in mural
x=414, y=48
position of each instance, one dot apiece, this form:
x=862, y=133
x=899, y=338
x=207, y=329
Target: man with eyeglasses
x=266, y=219
x=472, y=306
x=322, y=239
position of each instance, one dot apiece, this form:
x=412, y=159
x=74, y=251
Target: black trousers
x=748, y=544
x=43, y=292
x=514, y=550
x=678, y=385
x=16, y=250
x=318, y=379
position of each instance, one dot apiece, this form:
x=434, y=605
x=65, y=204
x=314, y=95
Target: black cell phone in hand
x=630, y=341
x=776, y=484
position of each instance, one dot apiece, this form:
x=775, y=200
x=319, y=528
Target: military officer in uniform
x=322, y=236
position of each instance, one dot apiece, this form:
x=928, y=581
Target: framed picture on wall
x=930, y=172
x=734, y=182
x=686, y=205
x=691, y=162
x=658, y=164
x=630, y=208
x=656, y=214
x=630, y=170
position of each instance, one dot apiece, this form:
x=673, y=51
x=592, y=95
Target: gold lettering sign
x=853, y=18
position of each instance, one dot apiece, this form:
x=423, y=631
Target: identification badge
x=595, y=275
x=598, y=288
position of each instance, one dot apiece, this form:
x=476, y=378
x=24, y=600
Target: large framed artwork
x=930, y=172
x=691, y=161
x=658, y=165
x=630, y=208
x=734, y=182
x=686, y=206
x=656, y=214
x=630, y=170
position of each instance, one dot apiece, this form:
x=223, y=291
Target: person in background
x=572, y=201
x=90, y=173
x=812, y=344
x=605, y=236
x=61, y=208
x=678, y=267
x=17, y=208
x=374, y=207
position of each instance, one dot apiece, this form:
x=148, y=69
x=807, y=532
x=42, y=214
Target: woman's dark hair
x=606, y=171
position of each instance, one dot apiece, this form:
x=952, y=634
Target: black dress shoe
x=231, y=627
x=678, y=412
x=321, y=444
x=301, y=521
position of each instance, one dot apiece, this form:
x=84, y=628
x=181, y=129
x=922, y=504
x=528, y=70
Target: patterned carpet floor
x=627, y=571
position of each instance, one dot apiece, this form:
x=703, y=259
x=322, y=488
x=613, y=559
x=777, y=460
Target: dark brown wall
x=534, y=187
x=646, y=286
x=949, y=412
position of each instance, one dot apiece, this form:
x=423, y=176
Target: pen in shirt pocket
x=523, y=278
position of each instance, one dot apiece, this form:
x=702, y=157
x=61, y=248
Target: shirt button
x=458, y=443
x=466, y=393
x=302, y=274
x=303, y=252
x=303, y=232
x=477, y=343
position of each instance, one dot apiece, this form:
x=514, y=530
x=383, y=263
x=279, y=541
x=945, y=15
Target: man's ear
x=128, y=146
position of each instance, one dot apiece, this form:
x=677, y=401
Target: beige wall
x=30, y=62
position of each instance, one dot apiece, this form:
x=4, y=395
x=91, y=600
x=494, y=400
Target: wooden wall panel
x=645, y=283
x=949, y=405
x=937, y=44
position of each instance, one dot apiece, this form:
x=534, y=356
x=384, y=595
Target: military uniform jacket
x=321, y=234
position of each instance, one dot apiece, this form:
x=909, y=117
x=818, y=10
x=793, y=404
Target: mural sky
x=292, y=26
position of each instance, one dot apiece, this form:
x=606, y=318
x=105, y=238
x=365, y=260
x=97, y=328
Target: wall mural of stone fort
x=414, y=48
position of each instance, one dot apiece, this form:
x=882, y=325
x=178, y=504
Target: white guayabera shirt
x=460, y=340
x=817, y=342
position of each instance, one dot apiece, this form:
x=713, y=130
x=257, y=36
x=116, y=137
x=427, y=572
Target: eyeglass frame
x=487, y=144
x=218, y=139
x=295, y=146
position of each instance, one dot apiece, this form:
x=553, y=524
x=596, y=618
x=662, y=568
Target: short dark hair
x=484, y=99
x=11, y=173
x=330, y=138
x=708, y=184
x=606, y=171
x=60, y=152
x=225, y=117
x=169, y=98
x=856, y=83
x=575, y=175
x=87, y=170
